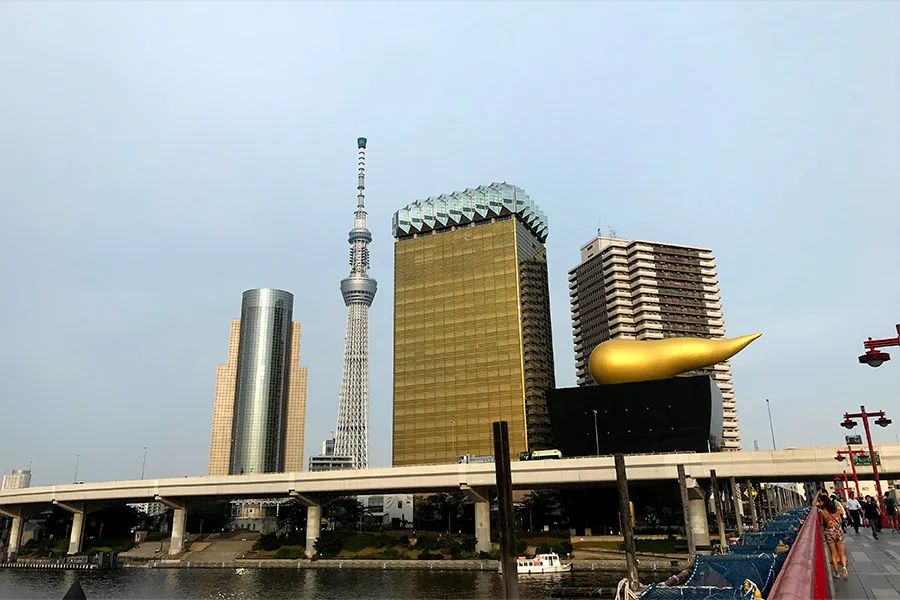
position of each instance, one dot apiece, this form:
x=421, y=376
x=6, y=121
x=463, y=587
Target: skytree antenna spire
x=358, y=290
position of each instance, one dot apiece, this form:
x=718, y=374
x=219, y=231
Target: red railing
x=804, y=575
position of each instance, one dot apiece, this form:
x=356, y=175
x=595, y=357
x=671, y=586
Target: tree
x=292, y=516
x=345, y=512
x=540, y=507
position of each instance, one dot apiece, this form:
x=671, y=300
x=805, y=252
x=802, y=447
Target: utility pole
x=717, y=499
x=685, y=507
x=625, y=517
x=508, y=566
x=596, y=435
x=771, y=427
x=77, y=460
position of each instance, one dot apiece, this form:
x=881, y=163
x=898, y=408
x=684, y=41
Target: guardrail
x=805, y=572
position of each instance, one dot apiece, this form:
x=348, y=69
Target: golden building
x=223, y=408
x=472, y=340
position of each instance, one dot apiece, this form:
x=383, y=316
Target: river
x=312, y=584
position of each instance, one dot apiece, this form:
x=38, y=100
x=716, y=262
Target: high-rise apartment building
x=259, y=413
x=644, y=290
x=472, y=340
x=16, y=480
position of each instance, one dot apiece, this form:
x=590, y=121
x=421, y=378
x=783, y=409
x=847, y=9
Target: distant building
x=642, y=290
x=394, y=510
x=259, y=413
x=16, y=480
x=328, y=461
x=151, y=509
x=472, y=338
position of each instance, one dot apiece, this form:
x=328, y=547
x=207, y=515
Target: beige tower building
x=223, y=408
x=644, y=290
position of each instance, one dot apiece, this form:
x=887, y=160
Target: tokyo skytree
x=352, y=431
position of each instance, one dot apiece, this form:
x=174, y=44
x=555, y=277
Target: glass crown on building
x=469, y=206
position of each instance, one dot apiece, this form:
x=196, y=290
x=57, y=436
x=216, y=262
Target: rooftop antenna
x=613, y=233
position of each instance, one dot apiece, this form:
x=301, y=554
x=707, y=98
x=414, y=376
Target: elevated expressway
x=314, y=489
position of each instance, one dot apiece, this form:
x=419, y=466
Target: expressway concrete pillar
x=313, y=528
x=79, y=511
x=15, y=533
x=482, y=499
x=75, y=537
x=179, y=517
x=483, y=526
x=176, y=544
x=698, y=516
x=313, y=519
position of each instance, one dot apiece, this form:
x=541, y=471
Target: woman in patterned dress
x=831, y=516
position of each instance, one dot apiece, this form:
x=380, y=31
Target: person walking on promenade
x=831, y=516
x=873, y=515
x=890, y=504
x=853, y=508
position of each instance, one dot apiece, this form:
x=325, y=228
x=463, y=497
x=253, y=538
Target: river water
x=312, y=584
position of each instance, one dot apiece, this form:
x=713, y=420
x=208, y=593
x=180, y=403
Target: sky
x=158, y=159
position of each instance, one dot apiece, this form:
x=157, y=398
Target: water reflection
x=331, y=584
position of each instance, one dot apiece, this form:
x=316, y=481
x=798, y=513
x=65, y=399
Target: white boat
x=542, y=563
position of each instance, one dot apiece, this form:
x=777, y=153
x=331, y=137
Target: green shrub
x=484, y=555
x=542, y=549
x=155, y=536
x=356, y=542
x=329, y=544
x=292, y=552
x=562, y=548
x=494, y=554
x=391, y=552
x=267, y=541
x=521, y=546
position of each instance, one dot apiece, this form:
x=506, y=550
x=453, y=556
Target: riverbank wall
x=649, y=566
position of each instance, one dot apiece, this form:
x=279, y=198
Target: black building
x=669, y=415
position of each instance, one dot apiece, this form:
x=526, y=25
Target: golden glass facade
x=471, y=341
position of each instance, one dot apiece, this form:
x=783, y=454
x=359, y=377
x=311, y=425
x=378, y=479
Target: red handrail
x=804, y=575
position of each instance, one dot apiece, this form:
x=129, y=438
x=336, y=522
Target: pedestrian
x=873, y=515
x=853, y=510
x=831, y=515
x=837, y=500
x=890, y=505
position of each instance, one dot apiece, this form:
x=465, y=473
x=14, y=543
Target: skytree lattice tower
x=352, y=431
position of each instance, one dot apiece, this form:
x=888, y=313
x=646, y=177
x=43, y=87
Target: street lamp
x=144, y=464
x=771, y=427
x=881, y=421
x=596, y=435
x=77, y=460
x=874, y=357
x=841, y=455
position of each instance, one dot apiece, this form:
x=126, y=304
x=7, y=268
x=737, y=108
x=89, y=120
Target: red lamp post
x=875, y=358
x=838, y=478
x=851, y=453
x=881, y=421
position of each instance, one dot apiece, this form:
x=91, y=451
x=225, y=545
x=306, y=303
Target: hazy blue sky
x=158, y=159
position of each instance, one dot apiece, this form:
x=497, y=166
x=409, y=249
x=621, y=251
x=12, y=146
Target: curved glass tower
x=261, y=389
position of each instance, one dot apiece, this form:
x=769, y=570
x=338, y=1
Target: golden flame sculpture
x=626, y=361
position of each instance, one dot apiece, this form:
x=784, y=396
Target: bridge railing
x=805, y=572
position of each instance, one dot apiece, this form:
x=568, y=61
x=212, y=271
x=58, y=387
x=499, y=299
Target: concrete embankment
x=662, y=565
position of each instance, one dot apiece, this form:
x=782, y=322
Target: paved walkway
x=874, y=567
